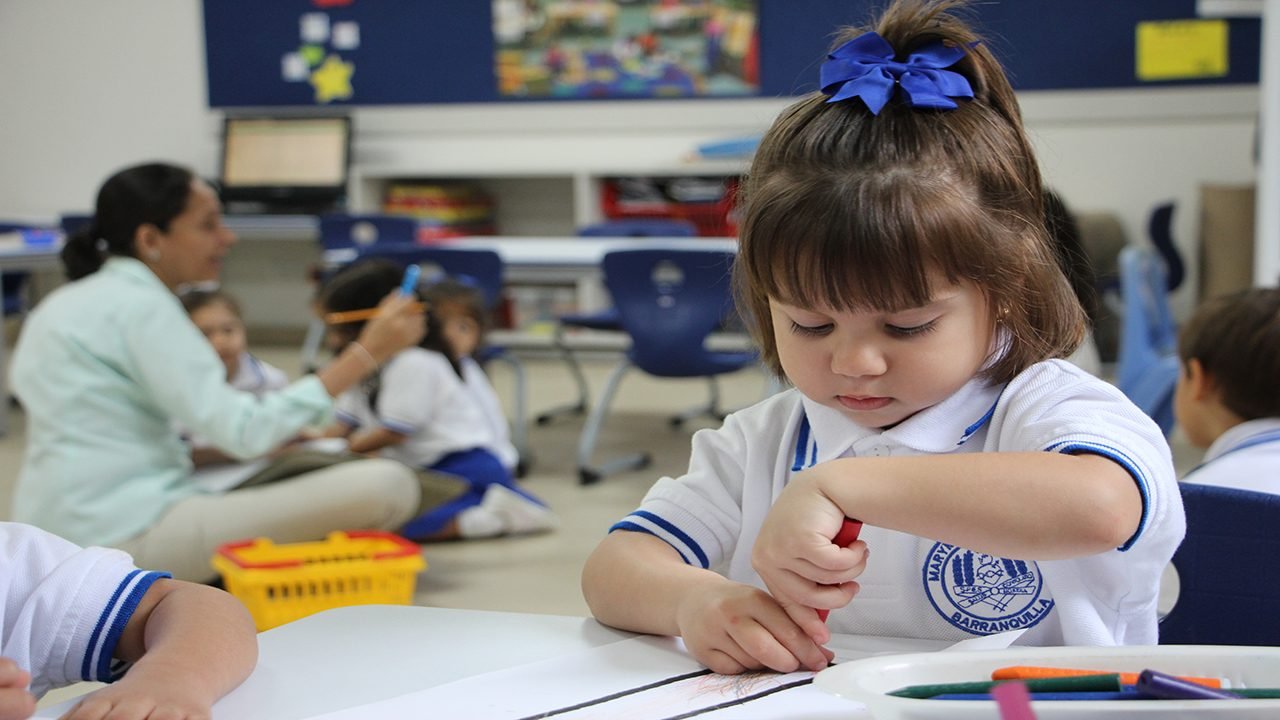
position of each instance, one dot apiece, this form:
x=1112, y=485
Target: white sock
x=480, y=522
x=519, y=514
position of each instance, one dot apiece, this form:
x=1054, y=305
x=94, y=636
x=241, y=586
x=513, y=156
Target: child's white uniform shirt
x=1246, y=457
x=916, y=587
x=486, y=399
x=257, y=376
x=64, y=607
x=421, y=397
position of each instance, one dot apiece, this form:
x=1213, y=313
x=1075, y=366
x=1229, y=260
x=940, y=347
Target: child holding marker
x=896, y=268
x=1228, y=396
x=416, y=409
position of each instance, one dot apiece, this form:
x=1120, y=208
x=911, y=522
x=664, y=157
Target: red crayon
x=848, y=533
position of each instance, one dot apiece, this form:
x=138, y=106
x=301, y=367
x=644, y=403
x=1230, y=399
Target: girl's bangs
x=847, y=250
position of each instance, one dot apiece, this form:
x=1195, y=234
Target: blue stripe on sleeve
x=123, y=602
x=633, y=527
x=1129, y=465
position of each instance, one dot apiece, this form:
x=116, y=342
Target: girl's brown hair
x=854, y=211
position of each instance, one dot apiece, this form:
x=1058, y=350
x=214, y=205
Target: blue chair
x=484, y=269
x=13, y=285
x=607, y=319
x=1147, y=364
x=1228, y=577
x=669, y=301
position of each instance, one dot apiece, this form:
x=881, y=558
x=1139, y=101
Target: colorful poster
x=576, y=49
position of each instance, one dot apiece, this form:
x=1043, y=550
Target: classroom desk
x=352, y=656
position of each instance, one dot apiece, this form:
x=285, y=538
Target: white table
x=353, y=656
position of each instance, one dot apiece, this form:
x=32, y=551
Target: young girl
x=460, y=308
x=895, y=263
x=217, y=314
x=415, y=409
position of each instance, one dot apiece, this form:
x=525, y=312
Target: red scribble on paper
x=331, y=3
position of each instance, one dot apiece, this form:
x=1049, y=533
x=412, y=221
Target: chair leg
x=575, y=369
x=709, y=409
x=311, y=345
x=588, y=473
x=519, y=418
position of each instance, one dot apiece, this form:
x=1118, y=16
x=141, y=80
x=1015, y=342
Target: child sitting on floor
x=416, y=409
x=460, y=308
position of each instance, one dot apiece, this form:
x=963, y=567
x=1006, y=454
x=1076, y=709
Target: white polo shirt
x=914, y=586
x=1246, y=457
x=421, y=397
x=483, y=395
x=64, y=607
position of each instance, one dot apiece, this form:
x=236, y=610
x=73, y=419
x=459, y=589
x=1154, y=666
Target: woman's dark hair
x=1236, y=338
x=150, y=194
x=363, y=285
x=855, y=211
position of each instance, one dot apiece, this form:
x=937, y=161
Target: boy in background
x=1228, y=395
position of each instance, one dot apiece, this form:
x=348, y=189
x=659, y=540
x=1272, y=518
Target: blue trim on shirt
x=399, y=427
x=1129, y=465
x=106, y=644
x=678, y=534
x=635, y=527
x=986, y=417
x=346, y=418
x=1262, y=438
x=802, y=441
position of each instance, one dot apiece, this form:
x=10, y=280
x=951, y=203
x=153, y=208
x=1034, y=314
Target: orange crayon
x=1028, y=672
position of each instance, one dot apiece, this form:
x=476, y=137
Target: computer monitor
x=285, y=164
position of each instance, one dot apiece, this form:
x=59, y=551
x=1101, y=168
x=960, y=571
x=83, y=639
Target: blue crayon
x=410, y=283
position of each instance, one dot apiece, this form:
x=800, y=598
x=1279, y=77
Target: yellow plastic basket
x=281, y=583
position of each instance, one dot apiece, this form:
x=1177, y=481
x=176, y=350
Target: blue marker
x=410, y=283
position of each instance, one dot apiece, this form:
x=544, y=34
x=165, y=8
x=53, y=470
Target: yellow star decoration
x=332, y=80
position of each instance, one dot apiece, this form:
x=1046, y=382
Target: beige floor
x=540, y=574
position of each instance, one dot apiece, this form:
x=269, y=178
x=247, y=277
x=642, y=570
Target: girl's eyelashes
x=810, y=330
x=913, y=330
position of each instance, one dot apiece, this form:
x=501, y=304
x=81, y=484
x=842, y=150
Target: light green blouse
x=103, y=367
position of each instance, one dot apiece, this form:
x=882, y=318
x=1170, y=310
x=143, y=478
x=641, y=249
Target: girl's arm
x=1025, y=505
x=635, y=581
x=375, y=439
x=190, y=645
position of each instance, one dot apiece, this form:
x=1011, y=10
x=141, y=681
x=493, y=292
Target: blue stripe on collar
x=986, y=417
x=802, y=443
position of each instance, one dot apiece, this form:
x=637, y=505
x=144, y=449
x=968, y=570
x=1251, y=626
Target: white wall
x=92, y=86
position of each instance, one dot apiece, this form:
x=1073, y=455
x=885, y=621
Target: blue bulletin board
x=325, y=53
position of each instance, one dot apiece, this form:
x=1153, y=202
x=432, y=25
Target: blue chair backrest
x=640, y=227
x=669, y=301
x=72, y=222
x=1146, y=365
x=483, y=268
x=340, y=231
x=1229, y=579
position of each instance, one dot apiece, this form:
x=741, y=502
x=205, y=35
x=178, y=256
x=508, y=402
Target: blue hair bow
x=864, y=67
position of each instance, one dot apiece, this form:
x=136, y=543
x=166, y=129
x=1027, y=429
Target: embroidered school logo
x=984, y=594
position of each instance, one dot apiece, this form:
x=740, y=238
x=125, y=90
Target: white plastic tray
x=867, y=681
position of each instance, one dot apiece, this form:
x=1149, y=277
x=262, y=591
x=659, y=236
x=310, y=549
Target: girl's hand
x=399, y=324
x=15, y=702
x=142, y=701
x=797, y=560
x=735, y=627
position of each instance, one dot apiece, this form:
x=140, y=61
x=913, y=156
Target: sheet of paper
x=221, y=478
x=647, y=678
x=1181, y=49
